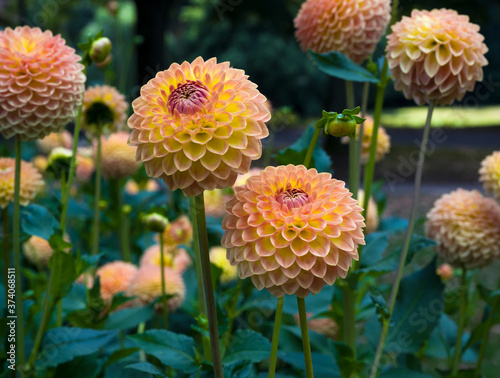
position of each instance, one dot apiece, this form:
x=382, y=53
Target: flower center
x=293, y=198
x=188, y=98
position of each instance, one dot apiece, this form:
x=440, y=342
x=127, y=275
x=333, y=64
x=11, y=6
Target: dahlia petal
x=285, y=257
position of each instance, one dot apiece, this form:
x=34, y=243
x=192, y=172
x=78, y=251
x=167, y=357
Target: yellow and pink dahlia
x=198, y=125
x=242, y=179
x=30, y=184
x=292, y=230
x=218, y=257
x=146, y=286
x=178, y=232
x=104, y=110
x=466, y=227
x=115, y=277
x=489, y=174
x=54, y=140
x=41, y=83
x=351, y=27
x=175, y=258
x=117, y=157
x=436, y=56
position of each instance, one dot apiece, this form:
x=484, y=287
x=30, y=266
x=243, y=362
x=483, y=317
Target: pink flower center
x=293, y=198
x=188, y=98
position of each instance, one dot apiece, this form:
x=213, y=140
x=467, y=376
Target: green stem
x=140, y=330
x=199, y=209
x=486, y=335
x=124, y=235
x=163, y=288
x=97, y=199
x=117, y=209
x=276, y=336
x=349, y=317
x=461, y=323
x=59, y=314
x=305, y=337
x=17, y=255
x=353, y=151
x=310, y=150
x=6, y=248
x=406, y=245
x=364, y=98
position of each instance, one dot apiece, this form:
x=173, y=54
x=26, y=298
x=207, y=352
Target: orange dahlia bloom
x=117, y=157
x=218, y=257
x=489, y=174
x=466, y=227
x=53, y=140
x=175, y=258
x=146, y=286
x=436, y=56
x=41, y=83
x=351, y=27
x=178, y=232
x=30, y=184
x=104, y=109
x=114, y=278
x=292, y=230
x=197, y=125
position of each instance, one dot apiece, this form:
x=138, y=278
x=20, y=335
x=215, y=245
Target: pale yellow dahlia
x=41, y=83
x=351, y=27
x=242, y=179
x=489, y=174
x=175, y=258
x=436, y=56
x=466, y=227
x=38, y=251
x=372, y=218
x=324, y=326
x=180, y=231
x=104, y=109
x=292, y=230
x=198, y=125
x=30, y=184
x=117, y=157
x=218, y=257
x=115, y=277
x=40, y=162
x=146, y=286
x=48, y=143
x=215, y=201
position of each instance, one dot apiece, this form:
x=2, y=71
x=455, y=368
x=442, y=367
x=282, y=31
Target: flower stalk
x=461, y=323
x=163, y=292
x=484, y=341
x=305, y=337
x=97, y=198
x=276, y=336
x=6, y=248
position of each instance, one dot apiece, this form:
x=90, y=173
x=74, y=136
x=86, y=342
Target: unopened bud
x=155, y=222
x=59, y=161
x=340, y=125
x=100, y=50
x=445, y=271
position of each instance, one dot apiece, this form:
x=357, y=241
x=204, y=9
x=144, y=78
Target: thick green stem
x=97, y=199
x=406, y=244
x=349, y=317
x=122, y=220
x=310, y=150
x=140, y=330
x=276, y=336
x=163, y=288
x=199, y=209
x=353, y=150
x=6, y=248
x=124, y=235
x=484, y=341
x=461, y=323
x=17, y=256
x=305, y=337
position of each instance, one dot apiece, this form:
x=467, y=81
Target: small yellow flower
x=219, y=259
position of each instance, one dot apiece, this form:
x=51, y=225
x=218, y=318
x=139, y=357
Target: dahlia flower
x=117, y=157
x=38, y=251
x=132, y=187
x=104, y=109
x=54, y=140
x=198, y=125
x=489, y=174
x=215, y=200
x=180, y=231
x=40, y=162
x=146, y=286
x=41, y=83
x=445, y=271
x=84, y=165
x=466, y=227
x=242, y=179
x=372, y=219
x=323, y=326
x=30, y=184
x=292, y=230
x=115, y=277
x=219, y=259
x=351, y=27
x=175, y=258
x=436, y=56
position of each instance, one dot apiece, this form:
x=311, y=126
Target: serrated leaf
x=129, y=317
x=338, y=65
x=247, y=345
x=37, y=220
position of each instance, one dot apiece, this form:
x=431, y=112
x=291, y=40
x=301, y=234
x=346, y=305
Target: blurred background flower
x=118, y=158
x=31, y=182
x=489, y=174
x=104, y=110
x=175, y=258
x=218, y=257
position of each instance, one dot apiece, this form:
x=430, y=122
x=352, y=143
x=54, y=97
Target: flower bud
x=59, y=161
x=100, y=49
x=445, y=271
x=340, y=125
x=155, y=222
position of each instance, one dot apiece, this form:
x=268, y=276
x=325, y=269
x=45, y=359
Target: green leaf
x=89, y=366
x=37, y=220
x=120, y=354
x=62, y=265
x=129, y=317
x=376, y=245
x=247, y=345
x=324, y=364
x=146, y=367
x=63, y=344
x=172, y=349
x=403, y=372
x=296, y=153
x=348, y=365
x=336, y=64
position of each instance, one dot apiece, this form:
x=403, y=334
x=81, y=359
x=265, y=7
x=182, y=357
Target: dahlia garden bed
x=152, y=235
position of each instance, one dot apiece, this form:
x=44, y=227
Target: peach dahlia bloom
x=114, y=278
x=41, y=83
x=54, y=140
x=436, y=56
x=292, y=230
x=198, y=125
x=351, y=27
x=466, y=227
x=489, y=174
x=37, y=251
x=30, y=184
x=104, y=109
x=178, y=232
x=117, y=157
x=175, y=258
